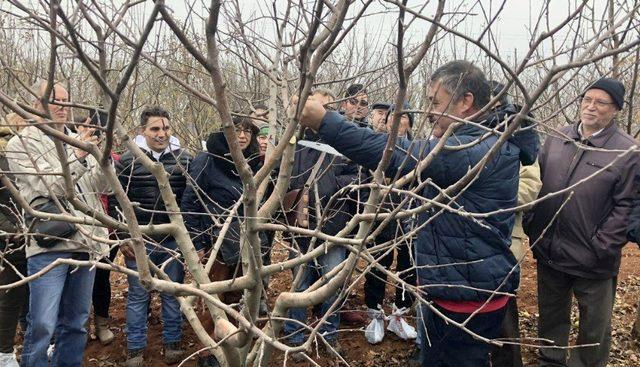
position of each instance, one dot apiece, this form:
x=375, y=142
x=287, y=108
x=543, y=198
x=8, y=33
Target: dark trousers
x=595, y=303
x=101, y=296
x=375, y=280
x=12, y=302
x=508, y=355
x=448, y=346
x=266, y=255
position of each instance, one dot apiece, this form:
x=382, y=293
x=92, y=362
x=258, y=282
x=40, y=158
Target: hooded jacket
x=31, y=152
x=588, y=234
x=142, y=187
x=456, y=257
x=214, y=183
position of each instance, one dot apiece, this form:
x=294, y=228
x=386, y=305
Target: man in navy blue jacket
x=461, y=261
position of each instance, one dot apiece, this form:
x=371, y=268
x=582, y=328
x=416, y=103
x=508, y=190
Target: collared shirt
x=141, y=142
x=594, y=134
x=157, y=155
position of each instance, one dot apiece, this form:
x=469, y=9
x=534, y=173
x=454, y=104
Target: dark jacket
x=633, y=229
x=334, y=173
x=215, y=184
x=587, y=236
x=142, y=187
x=395, y=228
x=478, y=248
x=9, y=220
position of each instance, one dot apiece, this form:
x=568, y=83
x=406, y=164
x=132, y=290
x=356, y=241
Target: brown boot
x=102, y=330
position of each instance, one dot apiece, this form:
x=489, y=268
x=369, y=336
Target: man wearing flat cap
x=578, y=251
x=378, y=116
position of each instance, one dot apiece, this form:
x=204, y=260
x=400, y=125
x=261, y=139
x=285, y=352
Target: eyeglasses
x=356, y=102
x=596, y=102
x=243, y=130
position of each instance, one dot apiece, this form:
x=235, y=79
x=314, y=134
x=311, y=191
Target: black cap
x=381, y=106
x=391, y=107
x=354, y=89
x=612, y=86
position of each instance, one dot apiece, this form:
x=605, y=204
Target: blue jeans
x=138, y=300
x=447, y=341
x=313, y=272
x=59, y=301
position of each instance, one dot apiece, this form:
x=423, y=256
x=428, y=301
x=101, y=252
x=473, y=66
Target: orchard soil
x=392, y=351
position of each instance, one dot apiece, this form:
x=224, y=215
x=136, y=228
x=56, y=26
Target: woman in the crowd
x=214, y=188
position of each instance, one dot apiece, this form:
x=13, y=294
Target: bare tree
x=209, y=63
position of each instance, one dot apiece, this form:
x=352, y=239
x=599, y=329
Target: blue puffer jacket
x=456, y=257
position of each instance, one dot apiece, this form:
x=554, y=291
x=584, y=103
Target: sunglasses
x=355, y=102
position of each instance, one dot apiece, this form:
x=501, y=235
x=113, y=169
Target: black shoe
x=208, y=361
x=173, y=353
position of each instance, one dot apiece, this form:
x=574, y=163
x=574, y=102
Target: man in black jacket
x=333, y=173
x=376, y=280
x=141, y=186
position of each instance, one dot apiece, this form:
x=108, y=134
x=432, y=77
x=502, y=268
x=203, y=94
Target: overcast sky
x=511, y=29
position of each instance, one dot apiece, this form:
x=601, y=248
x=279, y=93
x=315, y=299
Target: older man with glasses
x=579, y=234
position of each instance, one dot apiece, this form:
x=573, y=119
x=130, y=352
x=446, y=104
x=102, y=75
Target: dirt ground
x=392, y=351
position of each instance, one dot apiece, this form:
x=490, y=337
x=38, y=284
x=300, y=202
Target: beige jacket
x=528, y=189
x=33, y=151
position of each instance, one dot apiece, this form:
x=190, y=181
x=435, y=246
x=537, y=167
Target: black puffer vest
x=141, y=186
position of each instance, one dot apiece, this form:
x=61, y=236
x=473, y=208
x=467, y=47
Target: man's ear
x=467, y=103
x=141, y=129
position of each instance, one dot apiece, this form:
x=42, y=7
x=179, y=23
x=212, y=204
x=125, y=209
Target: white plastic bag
x=399, y=326
x=374, y=333
x=50, y=351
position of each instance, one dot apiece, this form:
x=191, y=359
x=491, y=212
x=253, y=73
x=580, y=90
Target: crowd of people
x=458, y=259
